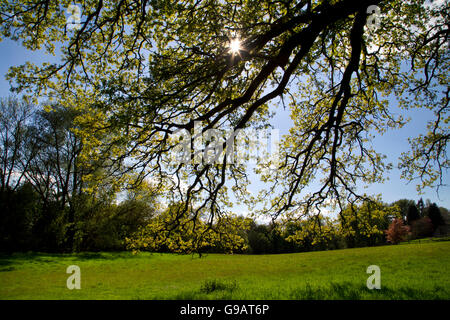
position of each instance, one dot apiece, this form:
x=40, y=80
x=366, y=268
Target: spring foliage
x=141, y=70
x=190, y=235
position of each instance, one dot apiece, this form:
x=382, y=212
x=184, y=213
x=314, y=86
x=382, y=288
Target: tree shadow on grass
x=407, y=293
x=113, y=255
x=99, y=256
x=219, y=290
x=350, y=291
x=6, y=265
x=339, y=291
x=8, y=261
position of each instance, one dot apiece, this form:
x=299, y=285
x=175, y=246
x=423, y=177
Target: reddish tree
x=397, y=231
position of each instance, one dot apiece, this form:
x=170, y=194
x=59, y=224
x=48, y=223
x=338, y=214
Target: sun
x=235, y=46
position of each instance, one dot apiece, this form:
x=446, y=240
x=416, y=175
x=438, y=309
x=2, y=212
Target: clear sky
x=393, y=143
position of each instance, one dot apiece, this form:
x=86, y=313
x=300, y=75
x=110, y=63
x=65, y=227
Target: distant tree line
x=52, y=199
x=360, y=226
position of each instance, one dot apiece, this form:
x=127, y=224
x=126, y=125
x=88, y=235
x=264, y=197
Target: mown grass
x=409, y=271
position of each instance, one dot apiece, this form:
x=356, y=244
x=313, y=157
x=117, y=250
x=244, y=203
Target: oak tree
x=144, y=70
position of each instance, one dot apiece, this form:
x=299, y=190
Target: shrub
x=210, y=286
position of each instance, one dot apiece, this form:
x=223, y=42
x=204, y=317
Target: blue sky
x=393, y=143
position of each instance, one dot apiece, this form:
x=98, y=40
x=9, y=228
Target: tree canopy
x=141, y=71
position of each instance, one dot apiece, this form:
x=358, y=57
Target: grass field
x=409, y=271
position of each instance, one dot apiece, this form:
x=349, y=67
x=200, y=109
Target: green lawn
x=408, y=271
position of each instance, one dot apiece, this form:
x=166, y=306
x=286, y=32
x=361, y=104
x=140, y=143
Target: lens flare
x=235, y=46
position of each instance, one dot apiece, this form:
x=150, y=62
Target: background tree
x=52, y=199
x=17, y=199
x=421, y=228
x=404, y=205
x=435, y=216
x=314, y=233
x=18, y=209
x=259, y=239
x=444, y=211
x=413, y=214
x=421, y=207
x=15, y=118
x=363, y=225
